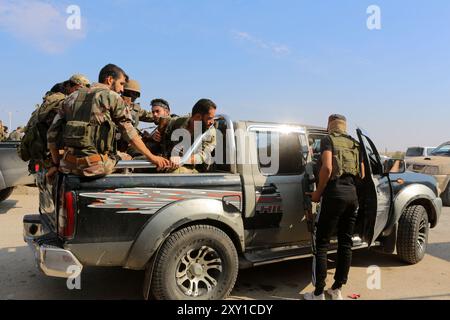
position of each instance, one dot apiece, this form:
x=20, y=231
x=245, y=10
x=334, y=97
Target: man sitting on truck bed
x=33, y=147
x=87, y=122
x=202, y=117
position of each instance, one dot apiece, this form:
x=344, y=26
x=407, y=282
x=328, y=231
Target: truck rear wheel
x=199, y=262
x=5, y=193
x=412, y=238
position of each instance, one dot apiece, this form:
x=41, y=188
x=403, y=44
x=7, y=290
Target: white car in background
x=414, y=152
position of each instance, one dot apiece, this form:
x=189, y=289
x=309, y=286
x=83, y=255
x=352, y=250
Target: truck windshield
x=442, y=150
x=414, y=152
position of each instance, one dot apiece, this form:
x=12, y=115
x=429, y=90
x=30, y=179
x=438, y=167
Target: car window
x=442, y=150
x=430, y=150
x=281, y=153
x=414, y=152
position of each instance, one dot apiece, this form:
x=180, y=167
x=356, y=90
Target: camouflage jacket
x=2, y=132
x=140, y=114
x=203, y=154
x=15, y=136
x=105, y=106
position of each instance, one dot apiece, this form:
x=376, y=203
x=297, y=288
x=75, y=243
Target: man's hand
x=156, y=136
x=315, y=196
x=124, y=156
x=176, y=162
x=51, y=173
x=160, y=162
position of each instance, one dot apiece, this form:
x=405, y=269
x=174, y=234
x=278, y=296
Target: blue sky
x=284, y=61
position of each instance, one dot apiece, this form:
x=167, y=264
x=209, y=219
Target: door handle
x=269, y=189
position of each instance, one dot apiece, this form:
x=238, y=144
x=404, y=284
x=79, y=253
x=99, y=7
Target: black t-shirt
x=343, y=187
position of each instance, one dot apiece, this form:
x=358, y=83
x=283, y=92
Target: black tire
x=183, y=258
x=5, y=193
x=412, y=238
x=445, y=196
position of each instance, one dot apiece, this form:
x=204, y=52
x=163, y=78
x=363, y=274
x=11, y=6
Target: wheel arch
x=179, y=215
x=415, y=194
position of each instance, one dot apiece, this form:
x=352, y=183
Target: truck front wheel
x=412, y=238
x=5, y=193
x=197, y=262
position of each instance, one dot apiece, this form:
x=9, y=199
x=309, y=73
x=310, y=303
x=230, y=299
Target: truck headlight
x=431, y=170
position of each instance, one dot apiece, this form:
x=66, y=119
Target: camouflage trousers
x=95, y=169
x=183, y=170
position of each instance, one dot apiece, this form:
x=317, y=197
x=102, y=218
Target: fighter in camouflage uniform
x=88, y=122
x=33, y=147
x=132, y=91
x=203, y=112
x=2, y=132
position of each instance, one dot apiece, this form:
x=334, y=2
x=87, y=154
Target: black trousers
x=334, y=214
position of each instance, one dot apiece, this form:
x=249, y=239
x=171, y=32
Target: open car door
x=376, y=192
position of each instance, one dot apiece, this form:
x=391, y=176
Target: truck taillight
x=67, y=216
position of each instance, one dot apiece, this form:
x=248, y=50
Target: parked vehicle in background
x=13, y=171
x=436, y=164
x=413, y=152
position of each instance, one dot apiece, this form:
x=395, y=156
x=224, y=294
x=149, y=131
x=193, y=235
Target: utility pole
x=10, y=121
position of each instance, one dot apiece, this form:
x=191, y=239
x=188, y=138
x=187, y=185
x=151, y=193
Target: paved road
x=19, y=278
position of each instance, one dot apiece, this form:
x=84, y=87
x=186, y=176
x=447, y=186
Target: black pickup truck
x=192, y=233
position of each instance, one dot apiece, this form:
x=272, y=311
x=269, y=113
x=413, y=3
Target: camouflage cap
x=133, y=85
x=80, y=80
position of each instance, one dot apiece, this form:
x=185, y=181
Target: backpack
x=34, y=142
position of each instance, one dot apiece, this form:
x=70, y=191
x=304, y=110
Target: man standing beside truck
x=87, y=123
x=340, y=167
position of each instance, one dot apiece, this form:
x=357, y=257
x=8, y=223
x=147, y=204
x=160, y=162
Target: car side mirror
x=394, y=166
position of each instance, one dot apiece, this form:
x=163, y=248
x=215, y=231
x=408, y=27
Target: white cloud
x=40, y=24
x=275, y=48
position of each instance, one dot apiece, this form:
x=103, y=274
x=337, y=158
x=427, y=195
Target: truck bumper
x=51, y=258
x=438, y=206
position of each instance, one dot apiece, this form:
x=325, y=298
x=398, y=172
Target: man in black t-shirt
x=340, y=165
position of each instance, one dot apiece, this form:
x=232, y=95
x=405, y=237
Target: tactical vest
x=82, y=133
x=345, y=156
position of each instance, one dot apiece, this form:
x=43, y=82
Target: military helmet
x=133, y=85
x=80, y=80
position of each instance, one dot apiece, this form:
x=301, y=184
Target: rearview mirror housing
x=394, y=166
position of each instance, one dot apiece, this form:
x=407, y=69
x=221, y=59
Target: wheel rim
x=198, y=271
x=422, y=237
